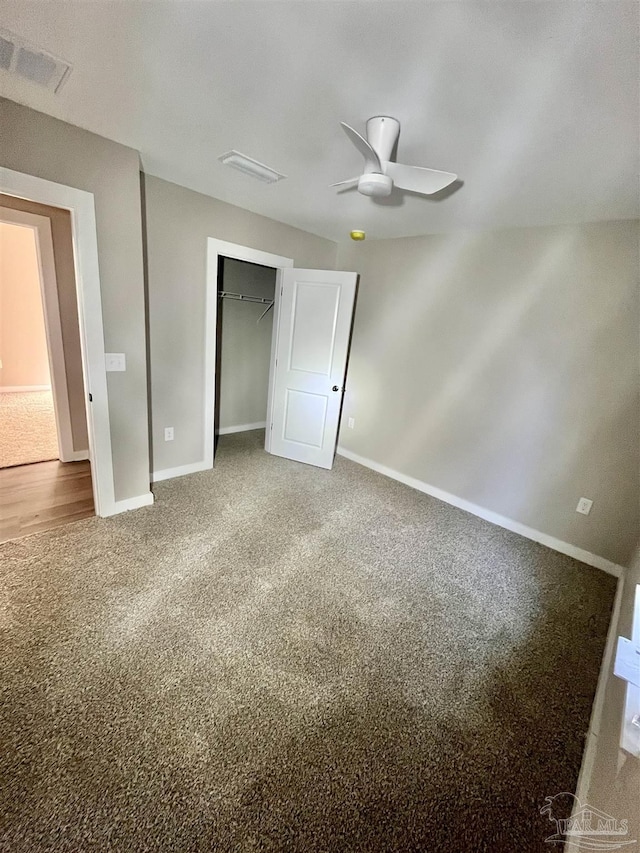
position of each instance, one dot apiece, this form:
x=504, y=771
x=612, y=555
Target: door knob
x=335, y=388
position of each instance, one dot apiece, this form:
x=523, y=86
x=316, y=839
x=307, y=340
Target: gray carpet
x=280, y=658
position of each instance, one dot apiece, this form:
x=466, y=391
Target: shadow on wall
x=512, y=381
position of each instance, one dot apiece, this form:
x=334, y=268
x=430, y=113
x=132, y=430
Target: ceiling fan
x=380, y=173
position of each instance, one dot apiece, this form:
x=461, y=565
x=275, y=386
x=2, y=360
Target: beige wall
x=62, y=240
x=245, y=344
x=43, y=146
x=23, y=340
x=502, y=367
x=178, y=222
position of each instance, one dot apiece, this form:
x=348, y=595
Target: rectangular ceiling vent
x=250, y=167
x=18, y=56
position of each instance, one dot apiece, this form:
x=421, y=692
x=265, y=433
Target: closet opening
x=276, y=347
x=244, y=331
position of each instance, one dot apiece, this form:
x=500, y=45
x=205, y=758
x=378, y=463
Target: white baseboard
x=501, y=520
x=241, y=428
x=76, y=456
x=589, y=754
x=15, y=389
x=179, y=471
x=130, y=503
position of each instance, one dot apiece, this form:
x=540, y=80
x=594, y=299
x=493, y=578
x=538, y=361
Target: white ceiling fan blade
x=372, y=161
x=418, y=179
x=352, y=182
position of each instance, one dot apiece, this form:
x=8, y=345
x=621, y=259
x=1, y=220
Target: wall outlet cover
x=168, y=433
x=584, y=506
x=351, y=423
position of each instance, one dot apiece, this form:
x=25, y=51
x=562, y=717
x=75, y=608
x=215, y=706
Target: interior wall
x=39, y=145
x=502, y=367
x=23, y=337
x=178, y=223
x=62, y=240
x=245, y=344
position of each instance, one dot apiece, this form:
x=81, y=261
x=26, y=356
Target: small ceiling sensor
x=250, y=167
x=20, y=57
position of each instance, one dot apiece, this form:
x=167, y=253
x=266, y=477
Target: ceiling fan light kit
x=375, y=185
x=381, y=174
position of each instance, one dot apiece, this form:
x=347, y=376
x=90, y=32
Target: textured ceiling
x=534, y=105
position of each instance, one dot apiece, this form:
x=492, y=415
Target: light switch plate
x=115, y=361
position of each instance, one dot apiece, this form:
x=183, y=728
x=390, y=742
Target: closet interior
x=246, y=293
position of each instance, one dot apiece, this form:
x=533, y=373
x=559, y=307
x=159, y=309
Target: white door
x=308, y=373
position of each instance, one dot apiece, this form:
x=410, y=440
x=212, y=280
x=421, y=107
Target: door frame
x=215, y=250
x=80, y=204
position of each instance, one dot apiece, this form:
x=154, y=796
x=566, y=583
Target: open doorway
x=27, y=414
x=45, y=473
x=254, y=270
x=246, y=294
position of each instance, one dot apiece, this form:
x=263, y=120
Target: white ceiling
x=533, y=104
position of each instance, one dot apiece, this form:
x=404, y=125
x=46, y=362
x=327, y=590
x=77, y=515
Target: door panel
x=305, y=418
x=316, y=308
x=313, y=330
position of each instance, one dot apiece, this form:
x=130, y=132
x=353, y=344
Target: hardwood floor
x=43, y=495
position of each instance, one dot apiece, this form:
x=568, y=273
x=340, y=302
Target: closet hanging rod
x=225, y=294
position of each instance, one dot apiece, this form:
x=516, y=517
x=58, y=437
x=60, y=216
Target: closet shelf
x=225, y=294
x=243, y=297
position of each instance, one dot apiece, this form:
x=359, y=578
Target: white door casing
x=308, y=373
x=85, y=250
x=215, y=250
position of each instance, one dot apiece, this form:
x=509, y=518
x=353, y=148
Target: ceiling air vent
x=19, y=57
x=250, y=167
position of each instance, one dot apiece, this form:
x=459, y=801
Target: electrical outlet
x=351, y=423
x=584, y=506
x=168, y=433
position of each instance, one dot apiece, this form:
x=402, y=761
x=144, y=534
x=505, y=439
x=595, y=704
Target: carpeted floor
x=280, y=658
x=27, y=428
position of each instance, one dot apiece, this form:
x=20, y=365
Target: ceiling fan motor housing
x=382, y=135
x=374, y=184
